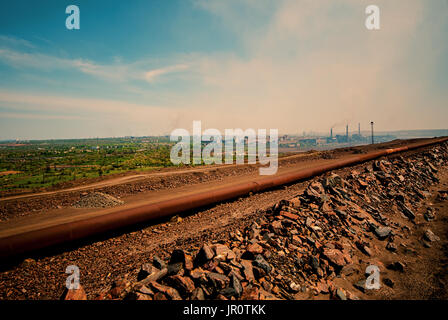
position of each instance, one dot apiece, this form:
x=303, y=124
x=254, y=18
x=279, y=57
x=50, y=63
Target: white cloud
x=152, y=75
x=117, y=72
x=15, y=42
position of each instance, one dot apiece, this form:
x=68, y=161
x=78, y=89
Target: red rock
x=322, y=287
x=276, y=225
x=210, y=265
x=266, y=295
x=182, y=257
x=105, y=295
x=351, y=296
x=254, y=248
x=296, y=240
x=72, y=294
x=188, y=264
x=198, y=294
x=198, y=273
x=119, y=288
x=144, y=290
x=325, y=207
x=171, y=292
x=155, y=276
x=237, y=274
x=160, y=296
x=362, y=183
x=205, y=254
x=336, y=257
x=146, y=270
x=222, y=250
x=295, y=202
x=183, y=284
x=250, y=293
x=248, y=270
x=219, y=270
x=219, y=280
x=141, y=296
x=340, y=294
x=290, y=216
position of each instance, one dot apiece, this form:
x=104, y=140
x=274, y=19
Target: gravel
x=97, y=200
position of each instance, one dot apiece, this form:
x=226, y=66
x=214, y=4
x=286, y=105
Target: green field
x=29, y=165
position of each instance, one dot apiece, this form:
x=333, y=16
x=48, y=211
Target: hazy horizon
x=422, y=133
x=150, y=67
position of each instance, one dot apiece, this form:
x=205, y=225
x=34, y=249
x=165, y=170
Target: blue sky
x=148, y=67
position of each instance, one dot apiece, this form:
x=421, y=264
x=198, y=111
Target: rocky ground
x=317, y=244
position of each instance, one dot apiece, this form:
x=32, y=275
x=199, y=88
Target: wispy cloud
x=152, y=75
x=116, y=72
x=15, y=42
x=20, y=59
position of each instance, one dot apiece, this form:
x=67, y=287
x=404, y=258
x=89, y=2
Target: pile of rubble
x=301, y=245
x=97, y=200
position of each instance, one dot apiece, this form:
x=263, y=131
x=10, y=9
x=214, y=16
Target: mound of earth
x=97, y=200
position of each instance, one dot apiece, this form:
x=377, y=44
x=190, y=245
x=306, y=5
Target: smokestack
x=346, y=132
x=359, y=129
x=331, y=133
x=371, y=124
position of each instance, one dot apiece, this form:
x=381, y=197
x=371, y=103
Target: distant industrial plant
x=323, y=142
